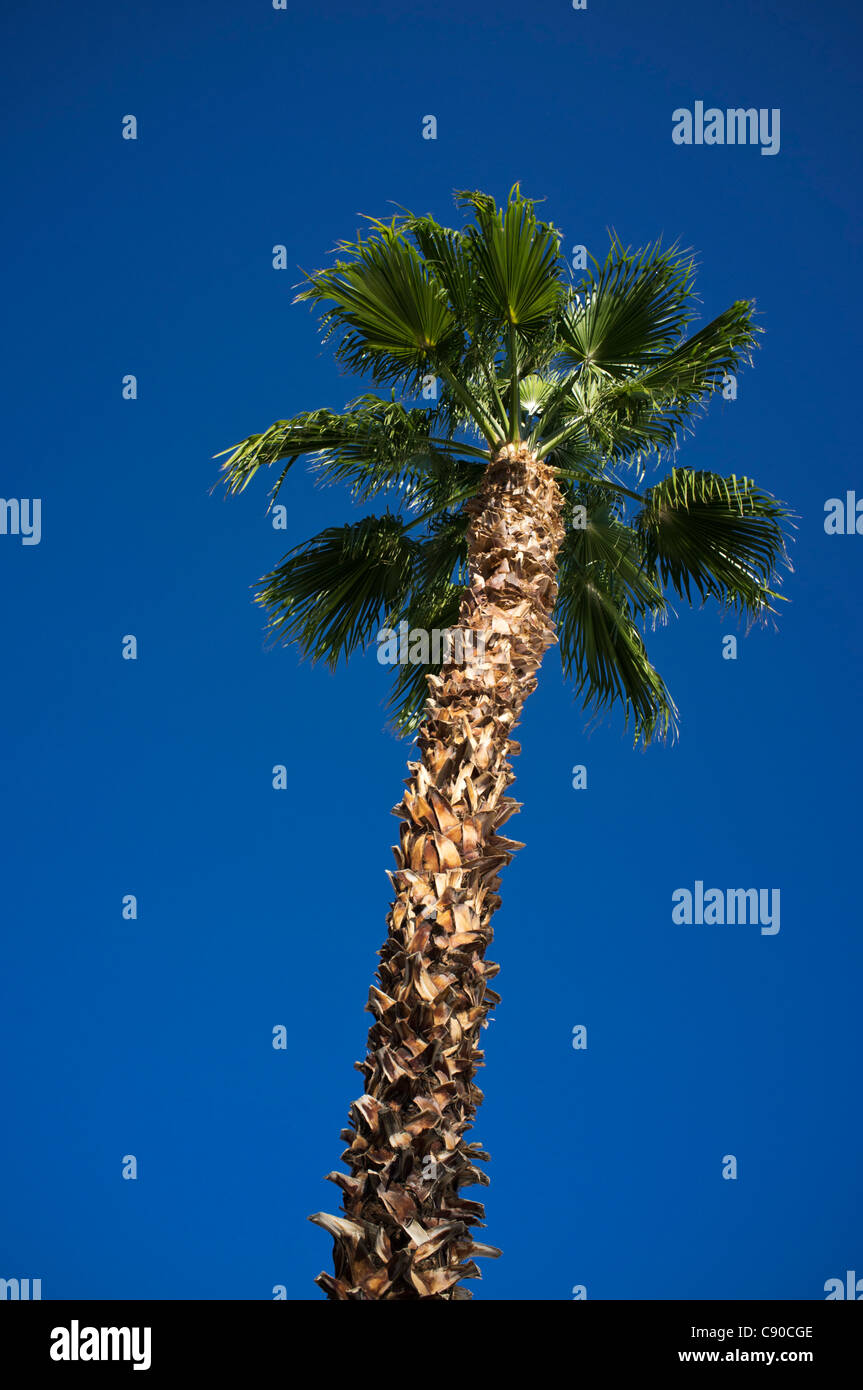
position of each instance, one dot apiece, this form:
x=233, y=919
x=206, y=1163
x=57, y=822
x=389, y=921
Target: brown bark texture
x=406, y=1232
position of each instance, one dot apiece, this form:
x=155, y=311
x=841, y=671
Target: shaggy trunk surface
x=406, y=1232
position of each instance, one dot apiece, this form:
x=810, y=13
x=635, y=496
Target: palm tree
x=523, y=413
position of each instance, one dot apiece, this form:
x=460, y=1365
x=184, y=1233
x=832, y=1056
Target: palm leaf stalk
x=521, y=518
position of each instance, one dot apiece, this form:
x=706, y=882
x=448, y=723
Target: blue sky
x=260, y=907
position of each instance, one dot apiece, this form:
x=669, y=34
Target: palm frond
x=331, y=594
x=375, y=445
x=607, y=550
x=604, y=593
x=633, y=414
x=284, y=440
x=722, y=537
x=433, y=607
x=602, y=650
x=628, y=313
x=516, y=261
x=389, y=311
x=445, y=252
x=695, y=367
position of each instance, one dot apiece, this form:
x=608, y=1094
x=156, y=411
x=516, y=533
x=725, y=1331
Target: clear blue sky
x=258, y=907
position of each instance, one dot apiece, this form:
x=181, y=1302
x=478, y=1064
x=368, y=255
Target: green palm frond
x=284, y=440
x=722, y=537
x=446, y=253
x=516, y=261
x=601, y=647
x=608, y=549
x=331, y=594
x=374, y=445
x=433, y=607
x=631, y=381
x=389, y=310
x=518, y=288
x=539, y=392
x=697, y=366
x=628, y=313
x=442, y=556
x=437, y=588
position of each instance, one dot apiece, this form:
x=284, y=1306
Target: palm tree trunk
x=405, y=1233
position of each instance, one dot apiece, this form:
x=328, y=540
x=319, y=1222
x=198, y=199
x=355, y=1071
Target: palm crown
x=600, y=377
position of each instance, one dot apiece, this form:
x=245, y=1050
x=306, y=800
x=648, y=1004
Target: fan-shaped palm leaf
x=721, y=537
